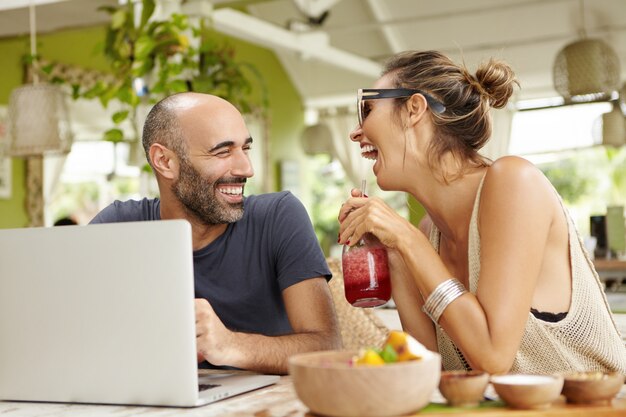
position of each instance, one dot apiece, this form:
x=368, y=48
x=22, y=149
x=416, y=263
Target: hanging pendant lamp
x=614, y=127
x=38, y=118
x=586, y=67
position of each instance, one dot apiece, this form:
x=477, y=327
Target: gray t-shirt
x=243, y=272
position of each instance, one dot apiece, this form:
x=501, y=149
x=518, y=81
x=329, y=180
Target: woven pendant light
x=317, y=139
x=614, y=127
x=586, y=67
x=38, y=118
x=38, y=121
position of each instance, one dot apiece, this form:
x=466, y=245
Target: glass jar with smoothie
x=366, y=272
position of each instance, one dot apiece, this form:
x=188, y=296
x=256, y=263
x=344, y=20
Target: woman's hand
x=360, y=215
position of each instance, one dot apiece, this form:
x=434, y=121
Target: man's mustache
x=232, y=180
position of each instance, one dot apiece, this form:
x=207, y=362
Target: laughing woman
x=495, y=278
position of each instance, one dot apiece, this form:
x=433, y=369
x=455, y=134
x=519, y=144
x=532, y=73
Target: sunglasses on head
x=364, y=94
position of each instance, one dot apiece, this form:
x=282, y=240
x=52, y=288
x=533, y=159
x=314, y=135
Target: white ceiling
x=328, y=62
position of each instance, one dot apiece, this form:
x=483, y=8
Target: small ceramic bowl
x=330, y=385
x=592, y=387
x=463, y=388
x=528, y=391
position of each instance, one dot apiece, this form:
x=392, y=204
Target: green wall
x=12, y=211
x=416, y=210
x=79, y=47
x=69, y=46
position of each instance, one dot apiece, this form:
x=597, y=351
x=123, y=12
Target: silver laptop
x=104, y=314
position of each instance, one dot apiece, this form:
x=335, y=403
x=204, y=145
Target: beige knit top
x=587, y=339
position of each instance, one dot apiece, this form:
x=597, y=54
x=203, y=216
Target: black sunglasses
x=378, y=93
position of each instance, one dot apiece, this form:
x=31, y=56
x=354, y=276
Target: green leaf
x=144, y=47
x=122, y=48
x=109, y=93
x=203, y=84
x=166, y=46
x=95, y=91
x=124, y=94
x=75, y=91
x=179, y=20
x=108, y=9
x=177, y=86
x=389, y=354
x=47, y=69
x=29, y=59
x=120, y=116
x=118, y=18
x=142, y=67
x=134, y=99
x=147, y=8
x=114, y=135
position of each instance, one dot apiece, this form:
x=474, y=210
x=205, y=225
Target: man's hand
x=212, y=337
x=312, y=317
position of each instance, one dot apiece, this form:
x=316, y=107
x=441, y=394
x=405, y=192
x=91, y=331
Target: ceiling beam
x=21, y=4
x=460, y=12
x=307, y=45
x=381, y=13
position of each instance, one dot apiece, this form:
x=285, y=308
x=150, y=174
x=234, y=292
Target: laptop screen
x=101, y=313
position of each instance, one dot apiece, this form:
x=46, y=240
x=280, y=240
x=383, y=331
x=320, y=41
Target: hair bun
x=497, y=80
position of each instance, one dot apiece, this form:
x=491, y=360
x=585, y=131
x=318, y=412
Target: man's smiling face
x=213, y=173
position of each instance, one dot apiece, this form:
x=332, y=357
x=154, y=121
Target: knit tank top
x=587, y=339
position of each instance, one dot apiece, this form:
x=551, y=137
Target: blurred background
x=93, y=68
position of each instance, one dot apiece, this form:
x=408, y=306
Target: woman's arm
x=409, y=303
x=516, y=213
x=514, y=221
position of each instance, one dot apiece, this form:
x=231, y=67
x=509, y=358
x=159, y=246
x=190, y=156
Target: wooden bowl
x=592, y=387
x=528, y=391
x=463, y=388
x=330, y=385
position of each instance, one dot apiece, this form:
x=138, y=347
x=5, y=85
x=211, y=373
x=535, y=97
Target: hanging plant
x=151, y=59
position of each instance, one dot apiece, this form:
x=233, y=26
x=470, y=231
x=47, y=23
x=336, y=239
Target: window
x=564, y=143
x=556, y=129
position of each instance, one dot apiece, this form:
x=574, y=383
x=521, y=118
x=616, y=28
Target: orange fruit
x=405, y=345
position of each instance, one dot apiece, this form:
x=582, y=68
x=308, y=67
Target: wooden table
x=610, y=265
x=280, y=400
x=611, y=271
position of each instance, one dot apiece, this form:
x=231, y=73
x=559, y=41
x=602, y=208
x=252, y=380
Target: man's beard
x=198, y=195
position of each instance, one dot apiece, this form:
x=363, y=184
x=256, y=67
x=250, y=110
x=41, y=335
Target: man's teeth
x=232, y=190
x=369, y=152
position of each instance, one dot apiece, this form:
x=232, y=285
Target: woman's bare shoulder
x=511, y=172
x=514, y=184
x=511, y=164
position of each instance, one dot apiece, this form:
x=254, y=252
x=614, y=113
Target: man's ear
x=164, y=161
x=416, y=107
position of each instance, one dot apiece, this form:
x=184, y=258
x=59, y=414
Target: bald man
x=260, y=275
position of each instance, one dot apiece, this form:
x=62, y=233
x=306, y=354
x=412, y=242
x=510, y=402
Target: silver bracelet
x=441, y=297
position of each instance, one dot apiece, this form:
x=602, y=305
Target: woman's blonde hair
x=465, y=126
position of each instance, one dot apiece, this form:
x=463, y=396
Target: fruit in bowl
x=399, y=347
x=334, y=383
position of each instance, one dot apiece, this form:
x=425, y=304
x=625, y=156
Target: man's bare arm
x=312, y=316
